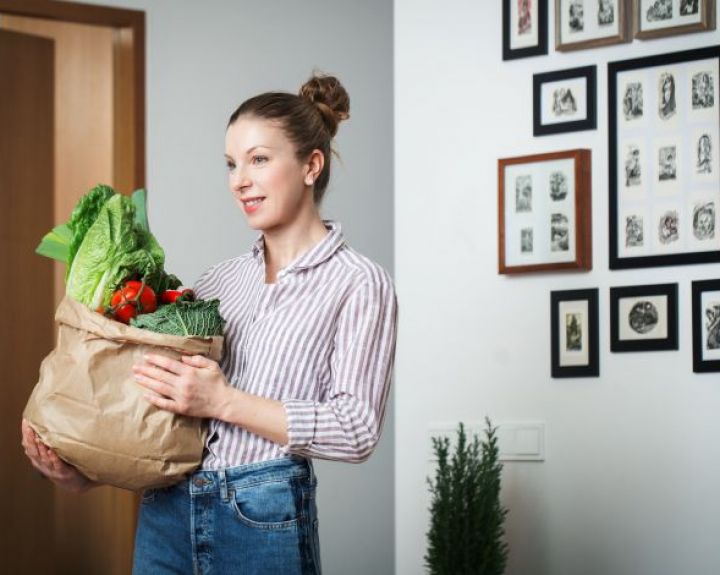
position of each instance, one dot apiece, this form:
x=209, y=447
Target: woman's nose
x=239, y=180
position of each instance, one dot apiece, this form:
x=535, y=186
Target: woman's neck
x=282, y=247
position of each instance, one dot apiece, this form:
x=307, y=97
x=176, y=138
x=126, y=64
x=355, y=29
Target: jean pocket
x=268, y=505
x=148, y=495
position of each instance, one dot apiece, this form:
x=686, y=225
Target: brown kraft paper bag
x=88, y=407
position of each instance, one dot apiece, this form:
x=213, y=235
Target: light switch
x=517, y=440
x=521, y=441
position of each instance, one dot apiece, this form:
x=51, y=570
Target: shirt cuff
x=301, y=417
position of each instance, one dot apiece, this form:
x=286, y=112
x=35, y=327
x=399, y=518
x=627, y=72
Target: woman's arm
x=347, y=425
x=196, y=386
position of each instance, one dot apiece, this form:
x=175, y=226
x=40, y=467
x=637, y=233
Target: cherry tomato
x=133, y=298
x=171, y=295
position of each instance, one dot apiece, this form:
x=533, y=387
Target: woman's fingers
x=197, y=360
x=168, y=364
x=157, y=386
x=29, y=441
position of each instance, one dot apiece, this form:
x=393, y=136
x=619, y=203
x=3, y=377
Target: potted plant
x=466, y=518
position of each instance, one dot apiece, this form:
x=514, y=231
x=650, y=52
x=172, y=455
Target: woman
x=309, y=349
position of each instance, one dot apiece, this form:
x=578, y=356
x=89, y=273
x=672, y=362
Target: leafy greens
x=184, y=318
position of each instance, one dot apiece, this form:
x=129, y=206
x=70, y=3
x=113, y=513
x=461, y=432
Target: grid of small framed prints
x=663, y=174
x=584, y=24
x=664, y=150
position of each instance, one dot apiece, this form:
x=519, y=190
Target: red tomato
x=133, y=298
x=171, y=295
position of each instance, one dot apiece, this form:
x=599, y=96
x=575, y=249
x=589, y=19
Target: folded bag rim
x=78, y=315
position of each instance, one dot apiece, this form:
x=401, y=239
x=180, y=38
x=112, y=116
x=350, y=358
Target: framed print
x=644, y=318
x=664, y=155
x=564, y=101
x=525, y=25
x=658, y=18
x=574, y=333
x=544, y=212
x=581, y=24
x=706, y=325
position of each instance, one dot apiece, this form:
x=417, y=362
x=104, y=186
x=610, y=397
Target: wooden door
x=26, y=336
x=98, y=93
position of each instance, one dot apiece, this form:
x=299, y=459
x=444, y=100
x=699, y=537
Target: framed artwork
x=706, y=325
x=664, y=144
x=525, y=25
x=544, y=216
x=574, y=333
x=644, y=318
x=564, y=101
x=581, y=24
x=658, y=18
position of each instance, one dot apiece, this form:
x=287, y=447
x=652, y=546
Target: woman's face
x=262, y=164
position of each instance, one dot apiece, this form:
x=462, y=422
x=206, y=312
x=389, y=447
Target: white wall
x=630, y=481
x=203, y=60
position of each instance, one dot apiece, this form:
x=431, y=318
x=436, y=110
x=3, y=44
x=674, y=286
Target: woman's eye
x=259, y=159
x=230, y=167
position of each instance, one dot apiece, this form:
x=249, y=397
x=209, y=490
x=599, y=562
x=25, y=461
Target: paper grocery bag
x=88, y=407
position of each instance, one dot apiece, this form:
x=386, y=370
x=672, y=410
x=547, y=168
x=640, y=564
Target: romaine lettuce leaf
x=113, y=249
x=83, y=217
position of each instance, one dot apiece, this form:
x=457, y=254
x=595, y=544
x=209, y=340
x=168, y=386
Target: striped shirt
x=321, y=340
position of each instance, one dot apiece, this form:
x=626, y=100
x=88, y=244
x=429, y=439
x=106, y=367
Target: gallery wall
x=628, y=484
x=203, y=60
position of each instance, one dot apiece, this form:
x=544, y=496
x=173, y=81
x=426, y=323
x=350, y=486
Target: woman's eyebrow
x=258, y=146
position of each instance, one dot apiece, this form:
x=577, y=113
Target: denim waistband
x=210, y=480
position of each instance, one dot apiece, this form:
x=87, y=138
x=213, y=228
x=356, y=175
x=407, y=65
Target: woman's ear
x=315, y=165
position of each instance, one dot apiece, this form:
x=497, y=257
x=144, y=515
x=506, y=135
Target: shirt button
x=199, y=482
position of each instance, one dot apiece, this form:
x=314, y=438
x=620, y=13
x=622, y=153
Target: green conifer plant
x=466, y=534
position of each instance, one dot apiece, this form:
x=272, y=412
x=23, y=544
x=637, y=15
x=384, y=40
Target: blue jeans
x=254, y=519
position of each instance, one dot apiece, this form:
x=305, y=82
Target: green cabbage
x=184, y=318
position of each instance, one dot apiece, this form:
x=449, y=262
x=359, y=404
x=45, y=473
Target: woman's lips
x=252, y=205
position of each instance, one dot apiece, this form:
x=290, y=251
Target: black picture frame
x=642, y=317
x=539, y=49
x=589, y=73
x=617, y=205
x=561, y=367
x=701, y=329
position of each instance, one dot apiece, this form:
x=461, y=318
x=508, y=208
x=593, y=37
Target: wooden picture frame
x=574, y=327
x=664, y=159
x=600, y=23
x=644, y=317
x=684, y=17
x=544, y=212
x=706, y=325
x=565, y=101
x=524, y=35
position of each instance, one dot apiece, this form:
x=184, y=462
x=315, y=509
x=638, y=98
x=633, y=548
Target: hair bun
x=330, y=98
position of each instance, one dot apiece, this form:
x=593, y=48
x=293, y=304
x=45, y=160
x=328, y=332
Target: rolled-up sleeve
x=347, y=425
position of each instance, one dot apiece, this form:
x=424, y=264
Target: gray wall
x=203, y=59
x=629, y=482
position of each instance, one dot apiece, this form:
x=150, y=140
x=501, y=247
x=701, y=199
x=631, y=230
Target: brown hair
x=310, y=119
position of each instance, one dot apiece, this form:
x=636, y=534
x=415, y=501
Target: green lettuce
x=83, y=217
x=184, y=318
x=106, y=242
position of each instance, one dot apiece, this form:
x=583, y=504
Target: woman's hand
x=46, y=461
x=195, y=386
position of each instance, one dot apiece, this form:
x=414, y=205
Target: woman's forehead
x=249, y=131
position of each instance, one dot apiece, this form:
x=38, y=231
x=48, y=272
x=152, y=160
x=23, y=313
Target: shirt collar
x=316, y=255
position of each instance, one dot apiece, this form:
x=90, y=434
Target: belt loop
x=223, y=484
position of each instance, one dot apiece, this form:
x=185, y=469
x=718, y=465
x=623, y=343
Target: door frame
x=132, y=21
